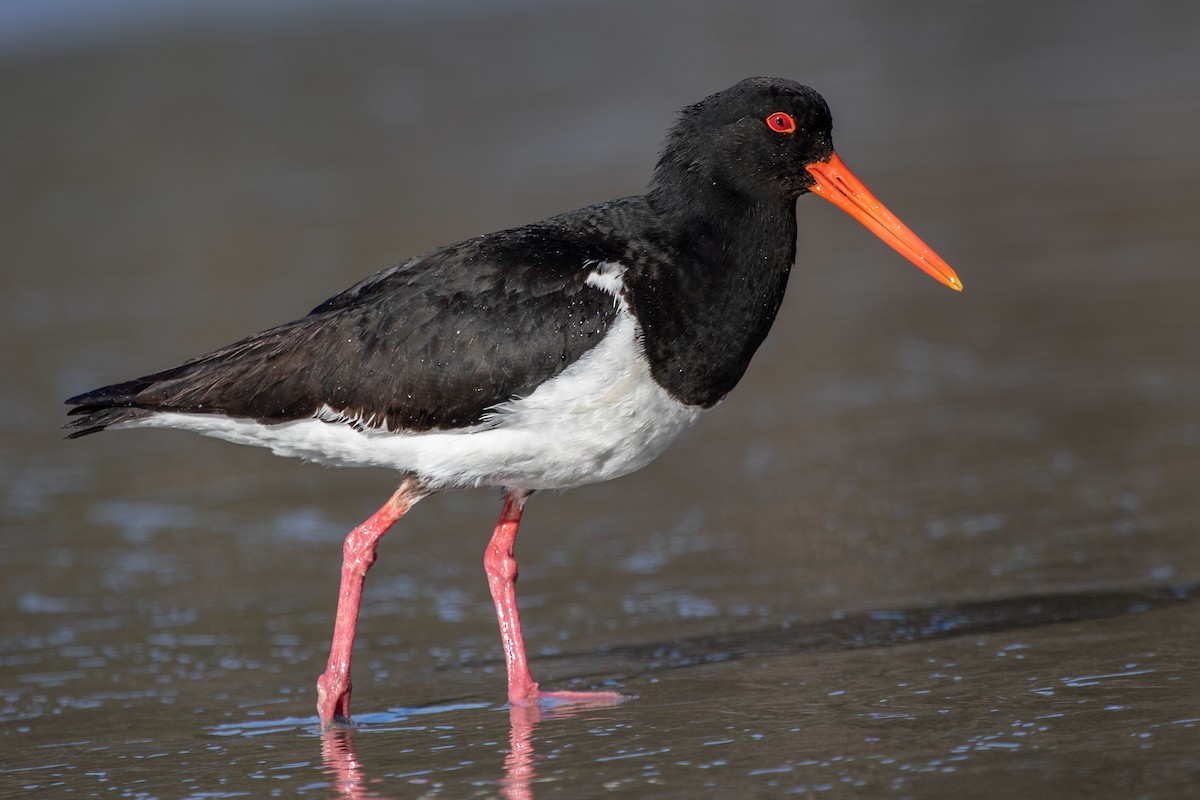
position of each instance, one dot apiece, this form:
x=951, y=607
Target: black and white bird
x=564, y=352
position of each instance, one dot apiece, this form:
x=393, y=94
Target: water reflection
x=352, y=778
x=519, y=763
x=342, y=764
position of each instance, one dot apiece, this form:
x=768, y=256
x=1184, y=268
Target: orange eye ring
x=781, y=122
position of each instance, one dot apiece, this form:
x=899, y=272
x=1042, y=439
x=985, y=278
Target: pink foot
x=567, y=698
x=333, y=699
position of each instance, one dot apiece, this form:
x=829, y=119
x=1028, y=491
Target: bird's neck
x=705, y=314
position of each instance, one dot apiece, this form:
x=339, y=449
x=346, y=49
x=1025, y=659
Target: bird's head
x=770, y=139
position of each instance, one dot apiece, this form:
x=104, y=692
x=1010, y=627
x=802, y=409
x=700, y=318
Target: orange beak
x=837, y=184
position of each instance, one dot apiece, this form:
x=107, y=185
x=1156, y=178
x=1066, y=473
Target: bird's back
x=431, y=343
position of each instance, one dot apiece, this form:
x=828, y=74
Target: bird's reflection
x=351, y=778
x=517, y=783
x=342, y=764
x=520, y=763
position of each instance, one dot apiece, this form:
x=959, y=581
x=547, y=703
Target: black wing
x=431, y=343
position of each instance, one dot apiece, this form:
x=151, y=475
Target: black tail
x=209, y=384
x=106, y=406
x=268, y=376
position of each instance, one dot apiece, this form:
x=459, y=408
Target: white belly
x=602, y=417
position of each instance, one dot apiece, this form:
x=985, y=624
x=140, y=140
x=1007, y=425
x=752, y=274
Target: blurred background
x=176, y=176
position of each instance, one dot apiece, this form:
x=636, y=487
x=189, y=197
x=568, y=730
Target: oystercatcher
x=563, y=352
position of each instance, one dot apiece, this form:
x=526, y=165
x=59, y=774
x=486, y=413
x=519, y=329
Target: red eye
x=781, y=122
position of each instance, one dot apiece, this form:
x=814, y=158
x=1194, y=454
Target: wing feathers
x=431, y=343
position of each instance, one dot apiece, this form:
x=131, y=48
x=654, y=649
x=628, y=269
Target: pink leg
x=502, y=577
x=358, y=553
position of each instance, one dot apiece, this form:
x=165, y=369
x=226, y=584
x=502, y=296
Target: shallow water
x=933, y=545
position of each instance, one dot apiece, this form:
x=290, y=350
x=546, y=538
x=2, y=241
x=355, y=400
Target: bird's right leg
x=501, y=567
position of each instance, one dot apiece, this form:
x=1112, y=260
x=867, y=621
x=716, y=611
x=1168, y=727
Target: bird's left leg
x=358, y=553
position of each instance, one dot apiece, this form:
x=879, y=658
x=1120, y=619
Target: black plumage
x=438, y=340
x=431, y=343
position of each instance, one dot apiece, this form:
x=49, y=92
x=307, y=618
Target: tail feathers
x=97, y=419
x=228, y=381
x=106, y=406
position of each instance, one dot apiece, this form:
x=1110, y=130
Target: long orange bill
x=837, y=184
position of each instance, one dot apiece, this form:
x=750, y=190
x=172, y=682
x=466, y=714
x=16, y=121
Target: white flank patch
x=602, y=417
x=608, y=277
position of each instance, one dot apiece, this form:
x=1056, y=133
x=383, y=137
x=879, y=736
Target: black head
x=754, y=139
